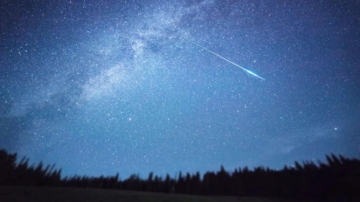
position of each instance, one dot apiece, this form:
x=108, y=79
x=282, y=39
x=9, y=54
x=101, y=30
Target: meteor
x=233, y=63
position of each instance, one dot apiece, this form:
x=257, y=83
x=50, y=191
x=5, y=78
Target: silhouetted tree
x=338, y=180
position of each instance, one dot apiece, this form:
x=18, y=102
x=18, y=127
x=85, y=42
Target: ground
x=44, y=194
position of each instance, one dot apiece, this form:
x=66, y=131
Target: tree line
x=338, y=178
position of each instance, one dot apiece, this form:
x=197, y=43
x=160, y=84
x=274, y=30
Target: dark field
x=336, y=181
x=45, y=194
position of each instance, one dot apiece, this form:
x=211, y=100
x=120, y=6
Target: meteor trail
x=233, y=63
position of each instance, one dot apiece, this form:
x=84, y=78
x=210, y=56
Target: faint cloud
x=138, y=47
x=287, y=149
x=106, y=83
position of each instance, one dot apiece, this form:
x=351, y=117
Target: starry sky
x=100, y=87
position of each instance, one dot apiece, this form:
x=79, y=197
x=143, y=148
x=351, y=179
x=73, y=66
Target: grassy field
x=48, y=194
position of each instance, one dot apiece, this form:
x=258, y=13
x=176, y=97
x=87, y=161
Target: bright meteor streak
x=233, y=63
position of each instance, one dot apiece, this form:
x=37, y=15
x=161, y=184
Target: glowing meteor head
x=252, y=73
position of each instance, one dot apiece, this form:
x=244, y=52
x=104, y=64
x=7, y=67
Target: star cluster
x=100, y=87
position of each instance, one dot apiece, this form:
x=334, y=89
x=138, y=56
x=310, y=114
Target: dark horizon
x=325, y=161
x=336, y=180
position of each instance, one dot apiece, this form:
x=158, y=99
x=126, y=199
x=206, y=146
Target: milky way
x=99, y=87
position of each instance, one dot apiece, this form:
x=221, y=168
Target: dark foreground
x=49, y=194
x=339, y=180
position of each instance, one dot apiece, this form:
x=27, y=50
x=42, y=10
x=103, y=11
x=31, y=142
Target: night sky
x=100, y=87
